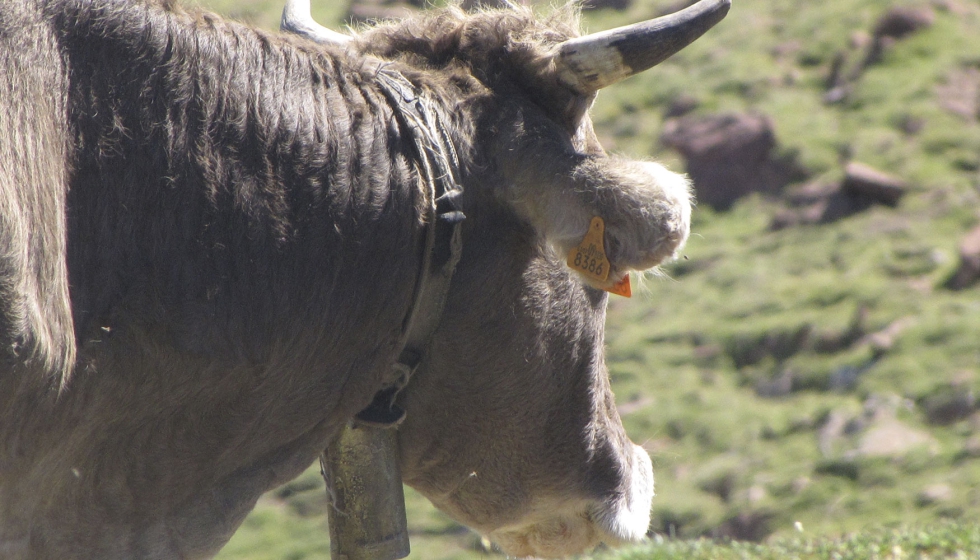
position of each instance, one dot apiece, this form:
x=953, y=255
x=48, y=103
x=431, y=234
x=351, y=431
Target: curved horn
x=296, y=19
x=595, y=61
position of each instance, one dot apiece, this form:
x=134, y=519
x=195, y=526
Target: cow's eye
x=575, y=111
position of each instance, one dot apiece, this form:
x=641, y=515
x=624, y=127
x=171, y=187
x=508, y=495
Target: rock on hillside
x=862, y=187
x=894, y=25
x=968, y=272
x=730, y=155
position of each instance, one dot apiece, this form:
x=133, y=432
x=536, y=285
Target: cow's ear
x=645, y=208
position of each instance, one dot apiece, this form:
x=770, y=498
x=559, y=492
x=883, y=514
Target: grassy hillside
x=750, y=307
x=847, y=322
x=945, y=540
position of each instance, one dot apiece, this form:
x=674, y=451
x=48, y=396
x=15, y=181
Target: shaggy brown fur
x=210, y=237
x=35, y=320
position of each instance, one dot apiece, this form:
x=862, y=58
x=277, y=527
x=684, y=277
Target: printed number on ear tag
x=589, y=259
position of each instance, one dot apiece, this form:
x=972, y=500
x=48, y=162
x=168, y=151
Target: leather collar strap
x=439, y=165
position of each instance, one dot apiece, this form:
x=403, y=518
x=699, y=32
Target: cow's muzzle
x=573, y=528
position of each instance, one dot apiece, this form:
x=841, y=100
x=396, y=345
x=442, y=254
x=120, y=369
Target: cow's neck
x=440, y=167
x=231, y=144
x=228, y=226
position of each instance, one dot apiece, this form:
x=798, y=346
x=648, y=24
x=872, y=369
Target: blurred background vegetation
x=807, y=370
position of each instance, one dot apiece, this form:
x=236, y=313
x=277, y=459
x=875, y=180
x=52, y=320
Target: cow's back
x=216, y=354
x=35, y=319
x=36, y=341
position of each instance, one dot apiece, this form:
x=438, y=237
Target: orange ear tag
x=621, y=288
x=589, y=259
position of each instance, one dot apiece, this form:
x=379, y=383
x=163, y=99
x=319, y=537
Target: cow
x=212, y=238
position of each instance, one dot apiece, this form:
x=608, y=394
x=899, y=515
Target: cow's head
x=512, y=426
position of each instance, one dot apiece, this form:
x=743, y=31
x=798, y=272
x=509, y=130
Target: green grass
x=748, y=308
x=266, y=13
x=945, y=540
x=290, y=523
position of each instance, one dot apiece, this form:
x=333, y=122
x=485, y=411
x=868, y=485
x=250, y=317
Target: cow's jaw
x=554, y=536
x=571, y=528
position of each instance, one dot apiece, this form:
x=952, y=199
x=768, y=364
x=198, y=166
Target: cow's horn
x=296, y=19
x=595, y=61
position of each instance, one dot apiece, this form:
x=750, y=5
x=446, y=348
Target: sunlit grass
x=935, y=542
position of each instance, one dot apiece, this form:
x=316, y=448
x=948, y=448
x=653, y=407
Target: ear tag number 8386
x=589, y=259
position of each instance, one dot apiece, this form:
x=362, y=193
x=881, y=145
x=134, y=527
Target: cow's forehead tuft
x=449, y=33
